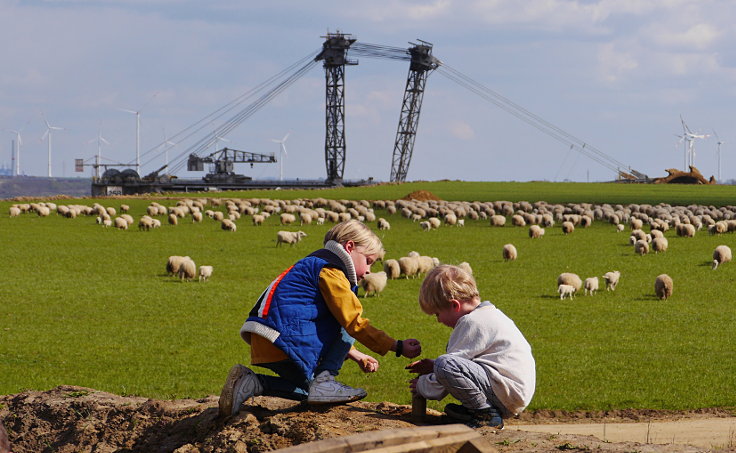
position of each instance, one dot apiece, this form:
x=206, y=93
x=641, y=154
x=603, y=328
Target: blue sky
x=616, y=74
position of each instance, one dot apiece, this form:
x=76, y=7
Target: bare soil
x=78, y=419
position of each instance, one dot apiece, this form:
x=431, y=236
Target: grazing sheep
x=426, y=264
x=289, y=237
x=173, y=219
x=173, y=264
x=145, y=223
x=611, y=279
x=620, y=227
x=450, y=219
x=205, y=272
x=566, y=290
x=641, y=247
x=435, y=222
x=509, y=252
x=425, y=225
x=722, y=254
x=663, y=286
x=466, y=267
x=128, y=218
x=124, y=208
x=392, y=269
x=107, y=223
x=461, y=222
x=14, y=211
x=591, y=285
x=258, y=219
x=287, y=219
x=517, y=220
x=409, y=266
x=228, y=225
x=156, y=223
x=535, y=231
x=121, y=223
x=498, y=220
x=568, y=227
x=659, y=244
x=187, y=269
x=568, y=278
x=373, y=284
x=196, y=216
x=383, y=224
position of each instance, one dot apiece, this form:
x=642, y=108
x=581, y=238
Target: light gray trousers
x=468, y=382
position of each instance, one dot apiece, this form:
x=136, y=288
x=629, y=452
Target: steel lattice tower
x=334, y=54
x=422, y=62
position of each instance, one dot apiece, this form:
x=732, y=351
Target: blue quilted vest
x=293, y=314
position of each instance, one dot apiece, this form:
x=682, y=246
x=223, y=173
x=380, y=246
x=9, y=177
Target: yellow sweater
x=347, y=310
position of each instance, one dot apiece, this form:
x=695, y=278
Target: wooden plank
x=448, y=444
x=378, y=439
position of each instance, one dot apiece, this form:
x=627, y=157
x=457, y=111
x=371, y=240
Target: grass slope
x=90, y=306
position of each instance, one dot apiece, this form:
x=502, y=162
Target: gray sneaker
x=241, y=384
x=324, y=389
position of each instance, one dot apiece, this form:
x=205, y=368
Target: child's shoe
x=241, y=384
x=475, y=418
x=324, y=389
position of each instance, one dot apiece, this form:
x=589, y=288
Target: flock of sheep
x=430, y=215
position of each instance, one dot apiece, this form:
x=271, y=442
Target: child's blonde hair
x=444, y=283
x=358, y=232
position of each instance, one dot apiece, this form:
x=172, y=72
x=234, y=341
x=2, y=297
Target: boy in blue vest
x=305, y=323
x=488, y=366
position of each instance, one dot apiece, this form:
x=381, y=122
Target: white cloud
x=461, y=130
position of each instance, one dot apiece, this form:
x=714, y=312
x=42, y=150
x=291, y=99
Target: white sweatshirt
x=491, y=339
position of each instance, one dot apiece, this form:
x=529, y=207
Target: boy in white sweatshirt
x=488, y=366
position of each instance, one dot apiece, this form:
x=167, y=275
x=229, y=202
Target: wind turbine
x=282, y=151
x=18, y=142
x=718, y=153
x=47, y=134
x=100, y=141
x=166, y=145
x=137, y=114
x=690, y=137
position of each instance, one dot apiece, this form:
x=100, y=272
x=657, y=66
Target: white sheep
x=258, y=219
x=568, y=227
x=121, y=223
x=722, y=254
x=205, y=272
x=228, y=225
x=187, y=269
x=466, y=267
x=392, y=269
x=435, y=222
x=144, y=223
x=287, y=219
x=620, y=227
x=641, y=247
x=591, y=285
x=535, y=231
x=409, y=266
x=173, y=263
x=663, y=286
x=568, y=278
x=566, y=290
x=373, y=283
x=426, y=264
x=509, y=252
x=383, y=224
x=659, y=244
x=611, y=279
x=498, y=220
x=289, y=237
x=425, y=225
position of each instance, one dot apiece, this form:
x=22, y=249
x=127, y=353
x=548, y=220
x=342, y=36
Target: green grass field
x=89, y=306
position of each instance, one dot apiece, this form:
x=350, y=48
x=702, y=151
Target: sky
x=618, y=75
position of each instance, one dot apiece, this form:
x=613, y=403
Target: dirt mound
x=422, y=195
x=76, y=419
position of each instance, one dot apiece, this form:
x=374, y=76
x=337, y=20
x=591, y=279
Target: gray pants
x=468, y=382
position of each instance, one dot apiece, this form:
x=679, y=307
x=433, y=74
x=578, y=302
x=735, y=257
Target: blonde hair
x=358, y=232
x=444, y=283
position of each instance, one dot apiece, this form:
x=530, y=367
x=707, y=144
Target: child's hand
x=424, y=366
x=366, y=363
x=413, y=385
x=412, y=348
